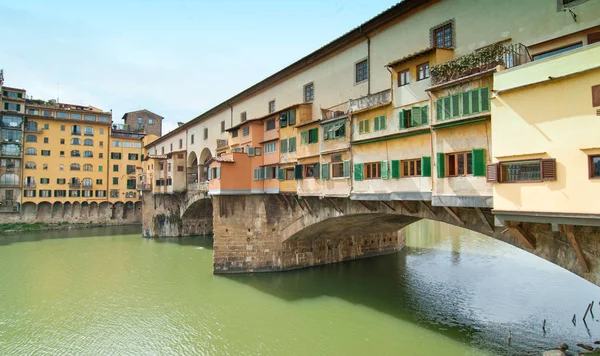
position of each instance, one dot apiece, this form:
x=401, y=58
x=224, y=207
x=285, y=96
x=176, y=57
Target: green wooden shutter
x=383, y=122
x=358, y=171
x=424, y=115
x=402, y=119
x=18, y=107
x=376, y=124
x=395, y=169
x=292, y=144
x=415, y=116
x=298, y=172
x=347, y=169
x=455, y=105
x=466, y=103
x=325, y=171
x=281, y=174
x=218, y=171
x=479, y=162
x=5, y=106
x=474, y=104
x=315, y=134
x=440, y=164
x=384, y=170
x=304, y=137
x=284, y=146
x=426, y=166
x=209, y=174
x=19, y=95
x=316, y=170
x=439, y=109
x=292, y=117
x=447, y=108
x=484, y=97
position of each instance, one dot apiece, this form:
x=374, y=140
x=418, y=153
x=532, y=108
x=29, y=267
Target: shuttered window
x=411, y=168
x=298, y=172
x=347, y=169
x=373, y=170
x=292, y=144
x=364, y=126
x=384, y=169
x=476, y=101
x=426, y=166
x=325, y=171
x=380, y=123
x=440, y=162
x=284, y=146
x=395, y=169
x=533, y=170
x=358, y=171
x=309, y=136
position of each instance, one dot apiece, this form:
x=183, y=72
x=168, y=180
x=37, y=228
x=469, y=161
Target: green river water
x=108, y=291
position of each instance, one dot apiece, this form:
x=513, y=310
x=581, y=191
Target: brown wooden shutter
x=492, y=173
x=548, y=169
x=596, y=95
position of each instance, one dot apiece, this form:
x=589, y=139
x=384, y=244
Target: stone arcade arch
x=205, y=156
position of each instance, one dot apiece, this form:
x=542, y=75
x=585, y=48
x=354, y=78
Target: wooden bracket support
x=424, y=205
x=330, y=201
x=407, y=207
x=570, y=230
x=280, y=201
x=298, y=202
x=484, y=219
x=522, y=235
x=388, y=205
x=308, y=207
x=288, y=201
x=454, y=215
x=366, y=205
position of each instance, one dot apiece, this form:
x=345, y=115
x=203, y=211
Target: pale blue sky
x=175, y=58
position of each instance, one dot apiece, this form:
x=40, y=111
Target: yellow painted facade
x=124, y=166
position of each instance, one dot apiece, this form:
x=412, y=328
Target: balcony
x=74, y=185
x=10, y=183
x=87, y=186
x=222, y=144
x=29, y=185
x=32, y=129
x=370, y=101
x=130, y=194
x=335, y=112
x=484, y=59
x=144, y=186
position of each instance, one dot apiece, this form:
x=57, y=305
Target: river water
x=107, y=291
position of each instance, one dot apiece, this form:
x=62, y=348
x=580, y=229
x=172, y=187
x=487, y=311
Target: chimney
x=179, y=124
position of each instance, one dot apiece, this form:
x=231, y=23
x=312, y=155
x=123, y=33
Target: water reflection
x=84, y=232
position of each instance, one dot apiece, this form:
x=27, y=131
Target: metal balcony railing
x=144, y=186
x=336, y=111
x=74, y=185
x=29, y=184
x=221, y=143
x=486, y=58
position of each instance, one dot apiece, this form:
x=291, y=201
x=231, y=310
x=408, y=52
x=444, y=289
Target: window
x=475, y=101
x=133, y=156
x=150, y=121
x=334, y=131
x=243, y=116
x=74, y=193
x=62, y=141
x=86, y=193
x=75, y=153
x=309, y=92
x=414, y=117
x=554, y=52
x=46, y=126
x=30, y=151
x=115, y=167
x=45, y=193
x=100, y=168
x=140, y=123
x=11, y=121
x=168, y=167
x=99, y=181
x=62, y=153
x=270, y=147
x=337, y=170
x=75, y=167
x=115, y=155
x=115, y=181
x=459, y=164
x=62, y=115
x=362, y=71
x=45, y=152
x=594, y=166
x=380, y=123
x=222, y=127
x=44, y=180
x=75, y=129
x=373, y=170
x=130, y=169
x=60, y=193
x=246, y=131
x=423, y=71
x=521, y=171
x=270, y=124
x=29, y=193
x=442, y=36
x=289, y=174
x=101, y=131
x=61, y=167
x=404, y=77
x=88, y=131
x=61, y=181
x=12, y=107
x=31, y=138
x=75, y=141
x=309, y=170
x=171, y=148
x=309, y=136
x=116, y=143
x=86, y=182
x=364, y=126
x=180, y=143
x=283, y=146
x=271, y=106
x=131, y=184
x=45, y=139
x=447, y=107
x=206, y=133
x=411, y=168
x=291, y=144
x=89, y=117
x=103, y=119
x=192, y=139
x=88, y=167
x=100, y=193
x=30, y=165
x=88, y=142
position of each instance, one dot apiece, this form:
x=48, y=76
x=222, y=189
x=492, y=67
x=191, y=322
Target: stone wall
x=88, y=213
x=172, y=215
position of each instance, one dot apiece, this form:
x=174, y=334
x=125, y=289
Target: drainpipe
x=433, y=156
x=231, y=111
x=368, y=60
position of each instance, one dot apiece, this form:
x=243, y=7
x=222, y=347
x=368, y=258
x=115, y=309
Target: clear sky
x=175, y=58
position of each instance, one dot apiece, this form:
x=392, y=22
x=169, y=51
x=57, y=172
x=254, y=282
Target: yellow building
x=549, y=168
x=125, y=157
x=65, y=153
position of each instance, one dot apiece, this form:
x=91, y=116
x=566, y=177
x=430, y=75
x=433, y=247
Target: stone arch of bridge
x=199, y=207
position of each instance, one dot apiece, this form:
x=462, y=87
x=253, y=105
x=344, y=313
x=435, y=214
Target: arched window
x=88, y=142
x=88, y=131
x=75, y=167
x=75, y=141
x=9, y=179
x=31, y=125
x=87, y=182
x=31, y=151
x=88, y=154
x=75, y=153
x=30, y=165
x=88, y=167
x=31, y=138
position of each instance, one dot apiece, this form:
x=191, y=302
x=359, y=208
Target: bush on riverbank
x=19, y=227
